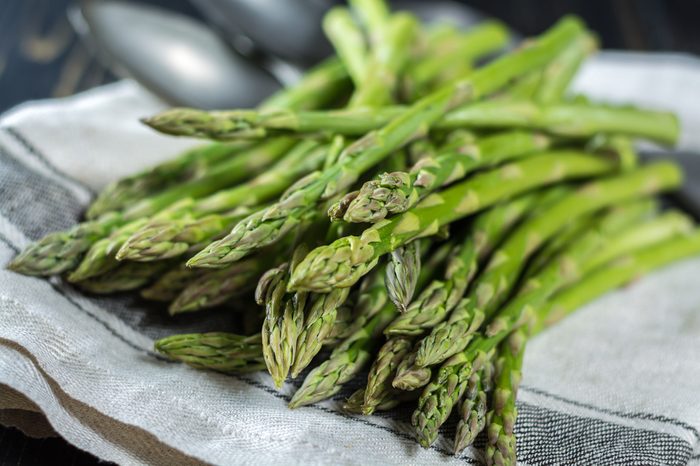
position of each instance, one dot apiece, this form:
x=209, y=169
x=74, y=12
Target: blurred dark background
x=41, y=56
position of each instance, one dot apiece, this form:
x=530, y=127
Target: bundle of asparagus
x=331, y=204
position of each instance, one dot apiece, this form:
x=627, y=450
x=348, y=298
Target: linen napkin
x=617, y=383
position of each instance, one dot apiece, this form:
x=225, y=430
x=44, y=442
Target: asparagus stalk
x=437, y=399
x=218, y=351
x=397, y=192
x=371, y=297
x=559, y=74
x=354, y=404
x=344, y=363
x=343, y=262
x=614, y=274
x=448, y=53
x=382, y=372
x=441, y=296
x=153, y=241
x=493, y=287
x=260, y=230
x=473, y=408
x=352, y=354
x=343, y=322
x=191, y=165
x=174, y=235
x=318, y=324
x=374, y=15
x=218, y=286
x=170, y=284
x=348, y=42
x=100, y=258
x=398, y=126
x=569, y=119
x=668, y=225
x=125, y=277
x=402, y=270
x=61, y=251
x=387, y=59
x=318, y=87
x=283, y=318
x=500, y=449
x=409, y=375
x=632, y=213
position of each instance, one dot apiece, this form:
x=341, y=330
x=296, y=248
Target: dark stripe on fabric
x=644, y=416
x=545, y=436
x=41, y=157
x=35, y=204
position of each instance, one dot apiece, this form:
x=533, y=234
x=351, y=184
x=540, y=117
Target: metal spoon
x=174, y=56
x=291, y=29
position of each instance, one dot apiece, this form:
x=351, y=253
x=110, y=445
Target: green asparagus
x=268, y=227
x=343, y=262
x=218, y=351
x=397, y=192
x=492, y=288
x=500, y=449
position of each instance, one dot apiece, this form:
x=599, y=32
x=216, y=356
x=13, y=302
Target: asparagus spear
x=61, y=251
x=559, y=74
x=167, y=236
x=397, y=192
x=318, y=324
x=382, y=372
x=374, y=14
x=372, y=294
x=354, y=404
x=635, y=213
x=268, y=227
x=449, y=52
x=125, y=277
x=348, y=41
x=152, y=241
x=399, y=127
x=371, y=298
x=500, y=449
x=438, y=398
x=218, y=351
x=570, y=119
x=344, y=363
x=614, y=274
x=667, y=225
x=218, y=286
x=473, y=407
x=343, y=262
x=318, y=87
x=402, y=270
x=170, y=284
x=387, y=59
x=100, y=258
x=352, y=354
x=283, y=318
x=191, y=165
x=493, y=287
x=441, y=296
